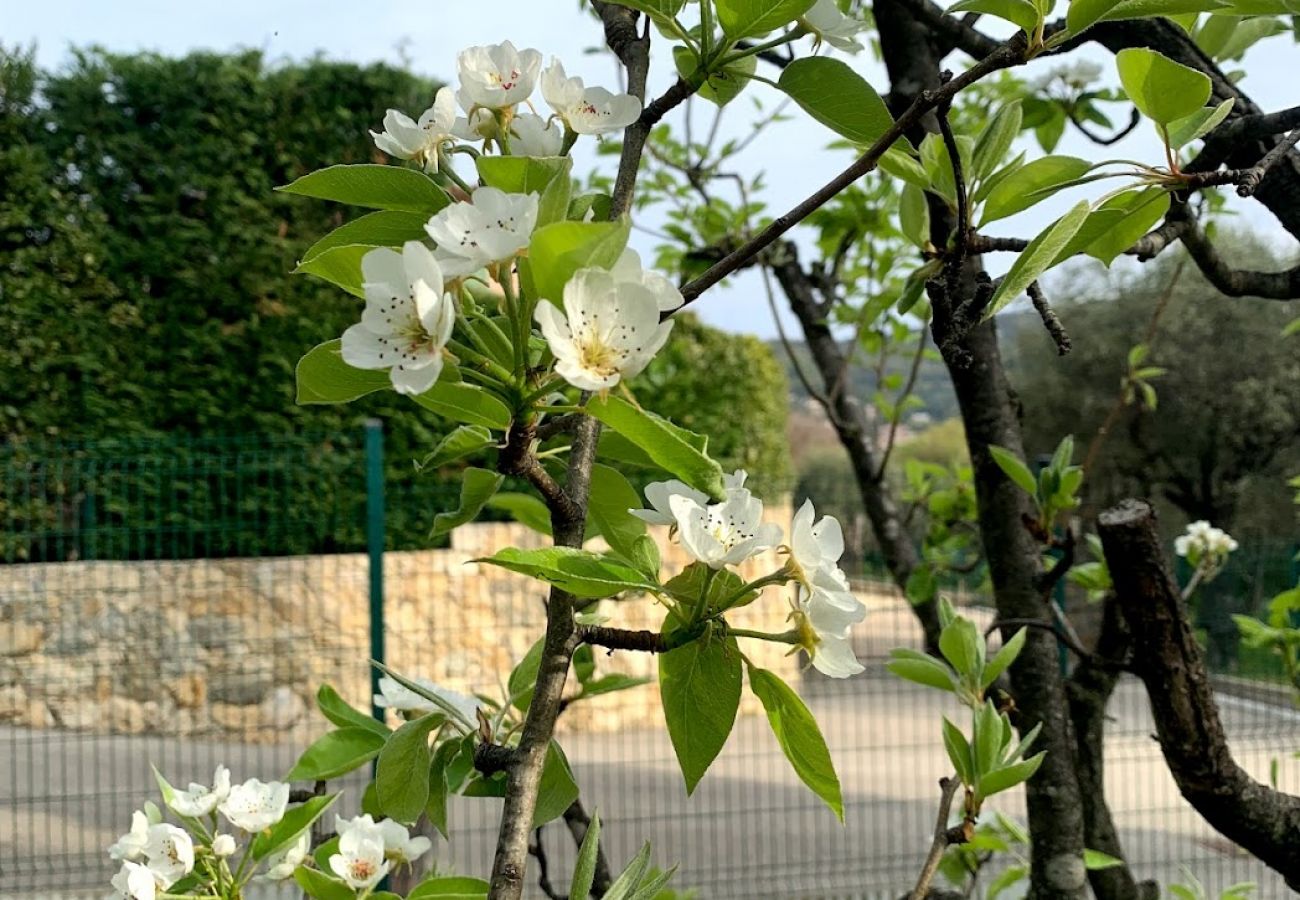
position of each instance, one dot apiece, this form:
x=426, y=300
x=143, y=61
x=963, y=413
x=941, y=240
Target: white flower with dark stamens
x=587, y=110
x=609, y=330
x=134, y=882
x=726, y=533
x=532, y=135
x=130, y=846
x=394, y=696
x=360, y=861
x=407, y=319
x=404, y=138
x=496, y=76
x=281, y=864
x=170, y=852
x=255, y=806
x=829, y=24
x=491, y=228
x=814, y=545
x=199, y=799
x=659, y=494
x=825, y=619
x=628, y=270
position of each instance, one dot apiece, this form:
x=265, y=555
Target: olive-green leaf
x=1116, y=224
x=463, y=441
x=402, y=772
x=561, y=248
x=1031, y=183
x=580, y=572
x=385, y=228
x=1017, y=12
x=476, y=487
x=323, y=377
x=838, y=97
x=920, y=668
x=995, y=140
x=584, y=870
x=378, y=187
x=450, y=887
x=344, y=714
x=336, y=753
x=611, y=498
x=1003, y=658
x=699, y=685
x=1014, y=469
x=1084, y=13
x=753, y=18
x=453, y=399
x=339, y=265
x=1163, y=90
x=1037, y=258
x=1200, y=123
x=800, y=739
x=665, y=444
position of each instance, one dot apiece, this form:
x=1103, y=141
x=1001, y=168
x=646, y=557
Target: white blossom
x=134, y=882
x=407, y=319
x=826, y=615
x=360, y=861
x=479, y=125
x=609, y=330
x=394, y=696
x=1075, y=76
x=170, y=852
x=223, y=846
x=829, y=24
x=493, y=227
x=405, y=138
x=814, y=546
x=531, y=135
x=496, y=76
x=726, y=533
x=587, y=110
x=628, y=271
x=399, y=846
x=199, y=799
x=130, y=846
x=1206, y=547
x=255, y=806
x=281, y=864
x=659, y=494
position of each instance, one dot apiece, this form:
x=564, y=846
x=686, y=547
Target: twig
x=822, y=400
x=1255, y=174
x=1050, y=320
x=907, y=389
x=1065, y=637
x=943, y=837
x=538, y=851
x=1134, y=118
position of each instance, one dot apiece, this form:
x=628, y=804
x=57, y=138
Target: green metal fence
x=175, y=601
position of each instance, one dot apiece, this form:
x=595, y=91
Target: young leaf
x=580, y=572
x=662, y=442
x=1003, y=658
x=336, y=753
x=914, y=216
x=722, y=85
x=524, y=676
x=700, y=685
x=995, y=141
x=378, y=187
x=611, y=498
x=463, y=441
x=557, y=789
x=344, y=714
x=838, y=97
x=999, y=780
x=1200, y=123
x=800, y=739
x=562, y=248
x=460, y=402
x=1094, y=860
x=295, y=821
x=754, y=18
x=340, y=266
x=1017, y=12
x=1014, y=469
x=584, y=870
x=1116, y=224
x=476, y=487
x=435, y=808
x=1163, y=90
x=963, y=647
x=385, y=228
x=921, y=668
x=1084, y=13
x=958, y=751
x=1037, y=258
x=402, y=773
x=450, y=887
x=1030, y=184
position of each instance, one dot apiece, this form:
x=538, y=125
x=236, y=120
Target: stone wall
x=235, y=649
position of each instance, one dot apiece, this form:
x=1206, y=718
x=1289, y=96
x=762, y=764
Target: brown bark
x=1263, y=821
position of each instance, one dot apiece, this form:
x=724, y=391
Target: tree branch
x=944, y=837
x=1051, y=321
x=622, y=639
x=1134, y=118
x=1263, y=821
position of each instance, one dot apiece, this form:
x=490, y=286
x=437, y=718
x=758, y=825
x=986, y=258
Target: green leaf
x=548, y=177
x=1084, y=13
x=995, y=141
x=724, y=587
x=994, y=782
x=525, y=509
x=700, y=685
x=800, y=739
x=476, y=487
x=958, y=751
x=1095, y=860
x=1017, y=12
x=1198, y=124
x=557, y=789
x=296, y=820
x=450, y=887
x=1117, y=224
x=580, y=572
x=340, y=266
x=722, y=85
x=963, y=646
x=986, y=739
x=321, y=886
x=629, y=879
x=920, y=668
x=336, y=753
x=914, y=216
x=1005, y=656
x=378, y=187
x=611, y=498
x=1143, y=9
x=463, y=441
x=562, y=248
x=385, y=228
x=343, y=714
x=609, y=684
x=1016, y=470
x=523, y=677
x=1030, y=184
x=435, y=808
x=462, y=402
x=1037, y=258
x=584, y=870
x=323, y=376
x=898, y=162
x=661, y=11
x=663, y=442
x=838, y=97
x=1163, y=90
x=402, y=773
x=754, y=18
x=1006, y=879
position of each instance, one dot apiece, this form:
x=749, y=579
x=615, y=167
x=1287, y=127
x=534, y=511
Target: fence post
x=375, y=549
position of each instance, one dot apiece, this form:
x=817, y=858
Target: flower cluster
x=1206, y=548
x=729, y=532
x=368, y=849
x=828, y=23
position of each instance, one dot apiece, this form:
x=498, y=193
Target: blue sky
x=429, y=34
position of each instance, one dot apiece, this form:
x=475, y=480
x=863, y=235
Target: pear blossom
x=223, y=846
x=407, y=319
x=814, y=546
x=360, y=861
x=394, y=696
x=726, y=533
x=493, y=227
x=660, y=493
x=496, y=76
x=1207, y=548
x=628, y=271
x=405, y=138
x=134, y=882
x=609, y=330
x=479, y=125
x=830, y=24
x=198, y=799
x=399, y=846
x=281, y=864
x=1075, y=76
x=586, y=110
x=255, y=806
x=170, y=852
x=130, y=846
x=531, y=135
x=825, y=621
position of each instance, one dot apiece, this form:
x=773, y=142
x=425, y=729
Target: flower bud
x=223, y=845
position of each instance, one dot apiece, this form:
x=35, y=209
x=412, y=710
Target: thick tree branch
x=623, y=639
x=1263, y=821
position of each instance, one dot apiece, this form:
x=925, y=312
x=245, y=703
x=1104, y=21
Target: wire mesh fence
x=177, y=605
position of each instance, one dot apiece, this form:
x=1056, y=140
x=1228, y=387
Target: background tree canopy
x=147, y=288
